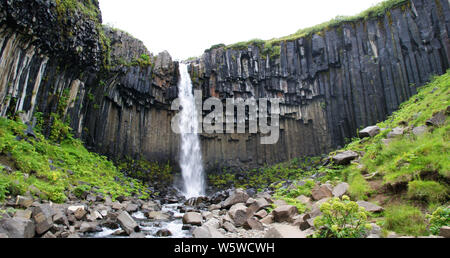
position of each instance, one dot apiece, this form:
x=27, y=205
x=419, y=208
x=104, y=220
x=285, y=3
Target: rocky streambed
x=233, y=213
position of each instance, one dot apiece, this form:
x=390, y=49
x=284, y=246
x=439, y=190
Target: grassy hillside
x=53, y=168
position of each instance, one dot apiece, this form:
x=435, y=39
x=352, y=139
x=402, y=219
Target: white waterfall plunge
x=191, y=156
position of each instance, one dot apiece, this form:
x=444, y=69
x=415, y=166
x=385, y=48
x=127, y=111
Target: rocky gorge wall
x=331, y=83
x=116, y=95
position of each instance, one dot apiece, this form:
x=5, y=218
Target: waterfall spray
x=191, y=156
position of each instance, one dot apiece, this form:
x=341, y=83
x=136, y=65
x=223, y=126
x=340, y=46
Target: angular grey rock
x=438, y=119
x=267, y=220
x=259, y=204
x=201, y=232
x=285, y=213
x=43, y=218
x=340, y=189
x=131, y=207
x=253, y=224
x=214, y=207
x=239, y=196
x=250, y=201
x=127, y=223
x=23, y=201
x=228, y=226
x=284, y=231
x=369, y=131
x=345, y=157
x=370, y=207
x=78, y=211
x=261, y=214
x=193, y=218
x=239, y=213
x=212, y=223
x=396, y=132
x=320, y=192
x=26, y=214
x=157, y=215
x=17, y=228
x=214, y=232
x=150, y=206
x=89, y=227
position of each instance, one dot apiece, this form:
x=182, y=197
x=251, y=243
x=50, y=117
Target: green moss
x=55, y=169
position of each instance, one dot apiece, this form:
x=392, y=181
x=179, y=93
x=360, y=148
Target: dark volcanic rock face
x=117, y=98
x=333, y=82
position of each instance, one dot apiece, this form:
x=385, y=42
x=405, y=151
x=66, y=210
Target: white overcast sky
x=186, y=28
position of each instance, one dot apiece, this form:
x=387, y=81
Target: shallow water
x=151, y=227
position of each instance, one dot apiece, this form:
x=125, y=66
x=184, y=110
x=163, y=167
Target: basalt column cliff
x=59, y=62
x=333, y=82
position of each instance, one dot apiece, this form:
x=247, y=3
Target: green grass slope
x=51, y=169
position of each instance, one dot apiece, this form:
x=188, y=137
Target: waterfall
x=191, y=156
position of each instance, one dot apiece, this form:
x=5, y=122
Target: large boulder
x=284, y=231
x=285, y=213
x=193, y=218
x=345, y=157
x=17, y=228
x=320, y=192
x=43, y=218
x=340, y=189
x=127, y=223
x=239, y=196
x=239, y=213
x=370, y=207
x=370, y=131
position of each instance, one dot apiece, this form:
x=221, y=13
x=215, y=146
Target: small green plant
x=341, y=219
x=4, y=185
x=439, y=218
x=80, y=190
x=405, y=219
